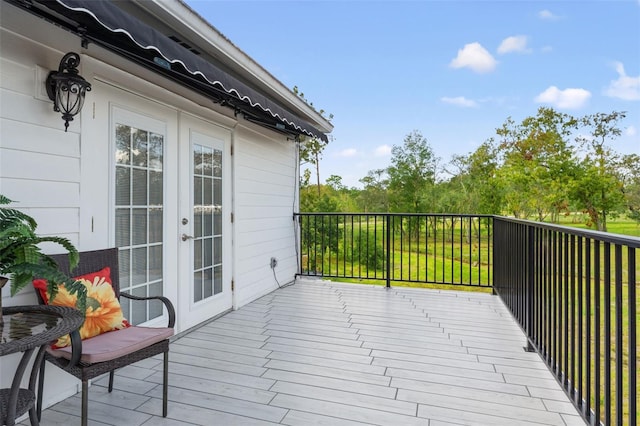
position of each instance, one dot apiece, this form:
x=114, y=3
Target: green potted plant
x=21, y=259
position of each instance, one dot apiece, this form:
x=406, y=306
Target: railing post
x=388, y=248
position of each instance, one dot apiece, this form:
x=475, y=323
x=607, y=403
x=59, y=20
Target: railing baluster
x=435, y=249
x=607, y=333
x=619, y=328
x=539, y=289
x=555, y=271
x=315, y=242
x=460, y=252
x=572, y=375
x=479, y=251
x=566, y=283
x=587, y=279
x=360, y=246
x=453, y=225
x=597, y=331
x=489, y=239
x=409, y=250
x=529, y=292
x=470, y=248
x=426, y=249
x=581, y=340
x=388, y=247
x=632, y=333
x=549, y=298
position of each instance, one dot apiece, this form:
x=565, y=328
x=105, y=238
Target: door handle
x=186, y=237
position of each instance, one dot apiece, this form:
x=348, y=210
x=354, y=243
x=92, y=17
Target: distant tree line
x=548, y=165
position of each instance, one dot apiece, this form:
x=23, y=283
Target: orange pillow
x=103, y=311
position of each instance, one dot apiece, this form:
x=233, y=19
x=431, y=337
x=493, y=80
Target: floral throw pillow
x=103, y=312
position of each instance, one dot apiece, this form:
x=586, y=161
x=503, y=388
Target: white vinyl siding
x=40, y=165
x=39, y=162
x=264, y=191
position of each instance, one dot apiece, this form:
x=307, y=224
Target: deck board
x=327, y=353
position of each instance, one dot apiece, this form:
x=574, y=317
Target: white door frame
x=192, y=313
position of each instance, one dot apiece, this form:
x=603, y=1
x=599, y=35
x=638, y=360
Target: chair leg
x=40, y=390
x=111, y=374
x=85, y=402
x=165, y=384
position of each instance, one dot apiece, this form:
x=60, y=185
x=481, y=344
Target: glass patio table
x=25, y=329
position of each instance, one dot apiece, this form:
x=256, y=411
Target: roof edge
x=191, y=22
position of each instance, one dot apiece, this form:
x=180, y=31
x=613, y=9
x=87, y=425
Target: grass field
x=621, y=225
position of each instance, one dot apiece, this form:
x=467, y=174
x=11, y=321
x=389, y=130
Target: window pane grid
x=207, y=222
x=139, y=218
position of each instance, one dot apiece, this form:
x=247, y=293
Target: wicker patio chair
x=109, y=351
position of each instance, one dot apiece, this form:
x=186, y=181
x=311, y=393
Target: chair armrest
x=167, y=304
x=76, y=352
x=76, y=349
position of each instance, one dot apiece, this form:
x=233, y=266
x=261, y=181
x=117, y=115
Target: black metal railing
x=412, y=248
x=574, y=294
x=572, y=291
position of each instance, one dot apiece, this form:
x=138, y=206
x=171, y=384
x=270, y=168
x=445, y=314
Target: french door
x=171, y=213
x=204, y=249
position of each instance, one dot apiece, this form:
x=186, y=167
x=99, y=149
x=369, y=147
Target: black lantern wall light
x=66, y=88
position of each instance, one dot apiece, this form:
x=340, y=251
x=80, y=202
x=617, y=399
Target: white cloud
x=547, y=15
x=349, y=152
x=566, y=99
x=514, y=44
x=631, y=130
x=474, y=56
x=459, y=101
x=382, y=151
x=625, y=87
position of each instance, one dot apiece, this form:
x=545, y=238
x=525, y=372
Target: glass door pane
x=139, y=217
x=207, y=213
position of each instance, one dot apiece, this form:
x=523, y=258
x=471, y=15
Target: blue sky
x=453, y=70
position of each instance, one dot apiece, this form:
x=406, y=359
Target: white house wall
x=58, y=177
x=265, y=187
x=39, y=164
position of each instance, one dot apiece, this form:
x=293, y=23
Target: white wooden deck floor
x=320, y=353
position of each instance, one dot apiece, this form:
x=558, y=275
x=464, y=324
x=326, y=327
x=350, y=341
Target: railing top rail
x=390, y=214
x=606, y=237
x=627, y=240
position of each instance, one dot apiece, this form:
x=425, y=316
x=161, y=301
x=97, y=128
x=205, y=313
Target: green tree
x=311, y=153
x=335, y=183
x=538, y=163
x=344, y=197
x=473, y=187
x=598, y=189
x=412, y=174
x=374, y=196
x=308, y=198
x=334, y=196
x=630, y=176
x=311, y=148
